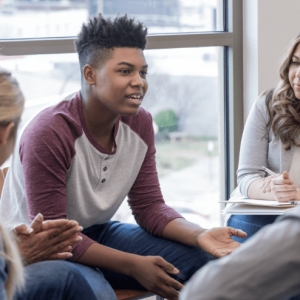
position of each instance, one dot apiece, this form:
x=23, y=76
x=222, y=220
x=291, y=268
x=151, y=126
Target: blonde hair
x=9, y=251
x=11, y=99
x=282, y=105
x=11, y=107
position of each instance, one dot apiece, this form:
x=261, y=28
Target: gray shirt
x=266, y=267
x=259, y=148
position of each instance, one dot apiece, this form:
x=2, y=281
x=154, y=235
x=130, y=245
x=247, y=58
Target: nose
x=298, y=72
x=137, y=80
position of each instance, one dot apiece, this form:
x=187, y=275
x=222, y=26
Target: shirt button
x=106, y=158
x=105, y=168
x=103, y=180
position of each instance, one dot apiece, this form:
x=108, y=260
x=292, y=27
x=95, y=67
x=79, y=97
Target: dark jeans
x=133, y=239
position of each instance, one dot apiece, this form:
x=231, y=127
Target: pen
x=269, y=171
x=273, y=174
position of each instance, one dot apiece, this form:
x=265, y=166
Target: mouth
x=297, y=85
x=137, y=97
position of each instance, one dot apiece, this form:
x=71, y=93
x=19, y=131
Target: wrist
x=198, y=233
x=133, y=264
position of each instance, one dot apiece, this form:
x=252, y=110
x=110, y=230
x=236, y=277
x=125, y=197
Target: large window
x=61, y=18
x=194, y=56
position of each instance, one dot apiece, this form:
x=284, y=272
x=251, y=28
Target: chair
x=122, y=294
x=134, y=294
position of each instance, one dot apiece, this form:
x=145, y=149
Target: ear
x=5, y=132
x=89, y=74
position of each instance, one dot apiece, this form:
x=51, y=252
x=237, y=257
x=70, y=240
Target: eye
x=125, y=71
x=143, y=73
x=295, y=63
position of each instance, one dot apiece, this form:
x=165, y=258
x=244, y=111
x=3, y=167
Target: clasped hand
x=47, y=240
x=281, y=187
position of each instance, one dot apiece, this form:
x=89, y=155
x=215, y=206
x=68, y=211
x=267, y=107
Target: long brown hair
x=282, y=105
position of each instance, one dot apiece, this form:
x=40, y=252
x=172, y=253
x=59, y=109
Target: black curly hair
x=98, y=38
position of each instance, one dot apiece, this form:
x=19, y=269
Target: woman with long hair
x=34, y=244
x=271, y=138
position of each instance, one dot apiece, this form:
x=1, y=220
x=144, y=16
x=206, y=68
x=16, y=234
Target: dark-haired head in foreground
x=98, y=38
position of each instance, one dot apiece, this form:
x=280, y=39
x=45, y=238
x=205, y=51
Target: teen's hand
x=151, y=272
x=47, y=240
x=218, y=241
x=281, y=187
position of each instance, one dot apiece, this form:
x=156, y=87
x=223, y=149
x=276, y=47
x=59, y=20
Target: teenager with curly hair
x=271, y=138
x=82, y=157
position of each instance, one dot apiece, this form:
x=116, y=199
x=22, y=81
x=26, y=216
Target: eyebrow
x=294, y=56
x=131, y=65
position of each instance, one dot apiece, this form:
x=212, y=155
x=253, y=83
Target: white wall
x=269, y=28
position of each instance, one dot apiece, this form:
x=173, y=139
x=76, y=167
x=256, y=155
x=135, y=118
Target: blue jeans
x=133, y=239
x=249, y=223
x=55, y=280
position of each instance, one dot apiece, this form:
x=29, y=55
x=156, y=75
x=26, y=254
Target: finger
x=36, y=224
x=166, y=266
x=165, y=292
x=63, y=224
x=284, y=188
x=173, y=283
x=285, y=199
x=285, y=175
x=65, y=249
x=61, y=256
x=67, y=243
x=238, y=233
x=223, y=252
x=67, y=238
x=64, y=232
x=281, y=181
x=267, y=184
x=22, y=229
x=169, y=293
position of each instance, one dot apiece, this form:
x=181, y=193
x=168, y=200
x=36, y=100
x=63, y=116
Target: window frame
x=231, y=108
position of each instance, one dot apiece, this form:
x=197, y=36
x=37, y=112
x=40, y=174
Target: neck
x=99, y=120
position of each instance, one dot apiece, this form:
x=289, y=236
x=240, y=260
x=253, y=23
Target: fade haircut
x=98, y=38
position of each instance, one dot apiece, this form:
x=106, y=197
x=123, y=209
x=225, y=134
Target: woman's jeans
x=124, y=237
x=249, y=223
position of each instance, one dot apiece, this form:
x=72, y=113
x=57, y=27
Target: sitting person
x=39, y=241
x=80, y=158
x=266, y=267
x=271, y=139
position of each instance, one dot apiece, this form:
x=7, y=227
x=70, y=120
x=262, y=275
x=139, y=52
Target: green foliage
x=167, y=121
